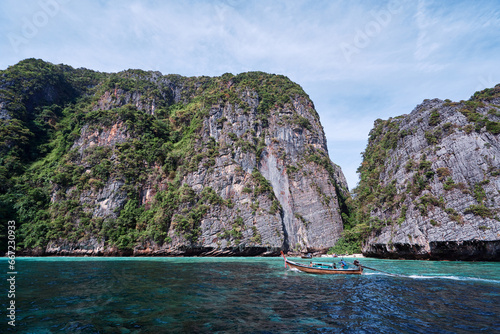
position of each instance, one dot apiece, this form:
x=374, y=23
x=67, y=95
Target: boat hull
x=323, y=271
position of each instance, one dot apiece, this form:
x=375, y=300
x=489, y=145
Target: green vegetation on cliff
x=400, y=181
x=155, y=121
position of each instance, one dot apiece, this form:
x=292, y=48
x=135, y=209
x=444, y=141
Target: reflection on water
x=251, y=295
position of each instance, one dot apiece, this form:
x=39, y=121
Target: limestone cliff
x=146, y=164
x=430, y=181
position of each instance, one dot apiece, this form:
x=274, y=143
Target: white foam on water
x=373, y=274
x=455, y=278
x=448, y=277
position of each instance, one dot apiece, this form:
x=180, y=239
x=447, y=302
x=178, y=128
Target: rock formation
x=139, y=163
x=430, y=181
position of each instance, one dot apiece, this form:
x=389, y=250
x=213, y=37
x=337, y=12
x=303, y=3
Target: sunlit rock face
x=438, y=193
x=152, y=164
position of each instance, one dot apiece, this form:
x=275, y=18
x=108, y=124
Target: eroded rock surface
x=438, y=192
x=165, y=165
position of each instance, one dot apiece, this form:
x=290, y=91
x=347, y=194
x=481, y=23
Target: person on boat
x=343, y=264
x=334, y=266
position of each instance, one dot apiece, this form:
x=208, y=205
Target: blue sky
x=357, y=60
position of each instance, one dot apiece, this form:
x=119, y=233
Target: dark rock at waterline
x=431, y=181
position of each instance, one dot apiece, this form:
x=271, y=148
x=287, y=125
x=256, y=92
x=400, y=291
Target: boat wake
x=456, y=278
x=447, y=277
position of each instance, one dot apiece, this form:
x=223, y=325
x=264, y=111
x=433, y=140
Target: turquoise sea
x=249, y=295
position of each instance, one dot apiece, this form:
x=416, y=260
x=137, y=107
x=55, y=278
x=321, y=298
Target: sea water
x=249, y=295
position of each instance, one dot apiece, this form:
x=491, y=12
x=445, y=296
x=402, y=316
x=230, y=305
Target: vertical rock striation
x=147, y=164
x=431, y=181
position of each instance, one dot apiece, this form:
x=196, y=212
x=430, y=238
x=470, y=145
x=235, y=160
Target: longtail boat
x=324, y=268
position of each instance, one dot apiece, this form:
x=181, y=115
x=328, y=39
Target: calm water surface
x=250, y=295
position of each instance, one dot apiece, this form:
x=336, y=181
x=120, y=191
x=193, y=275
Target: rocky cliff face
x=431, y=181
x=147, y=164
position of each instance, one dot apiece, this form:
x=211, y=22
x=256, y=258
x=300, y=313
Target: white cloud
x=402, y=51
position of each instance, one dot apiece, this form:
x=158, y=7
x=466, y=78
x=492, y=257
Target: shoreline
x=357, y=255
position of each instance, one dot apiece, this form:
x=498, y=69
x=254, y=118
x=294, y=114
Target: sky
x=357, y=60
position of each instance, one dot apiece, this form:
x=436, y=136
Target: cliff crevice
x=138, y=163
x=430, y=181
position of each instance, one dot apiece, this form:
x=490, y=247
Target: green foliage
x=383, y=138
x=468, y=128
x=421, y=177
x=261, y=145
x=454, y=215
x=402, y=215
x=487, y=94
x=373, y=195
x=410, y=165
x=237, y=229
x=424, y=165
x=302, y=219
x=435, y=118
x=479, y=193
x=291, y=169
x=262, y=185
x=480, y=210
x=303, y=122
x=358, y=225
x=73, y=133
x=123, y=232
x=275, y=207
x=273, y=90
x=449, y=183
x=32, y=206
x=345, y=246
x=432, y=137
x=493, y=127
x=370, y=192
x=443, y=172
x=426, y=201
x=37, y=161
x=494, y=171
x=256, y=236
x=34, y=114
x=478, y=120
x=236, y=232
